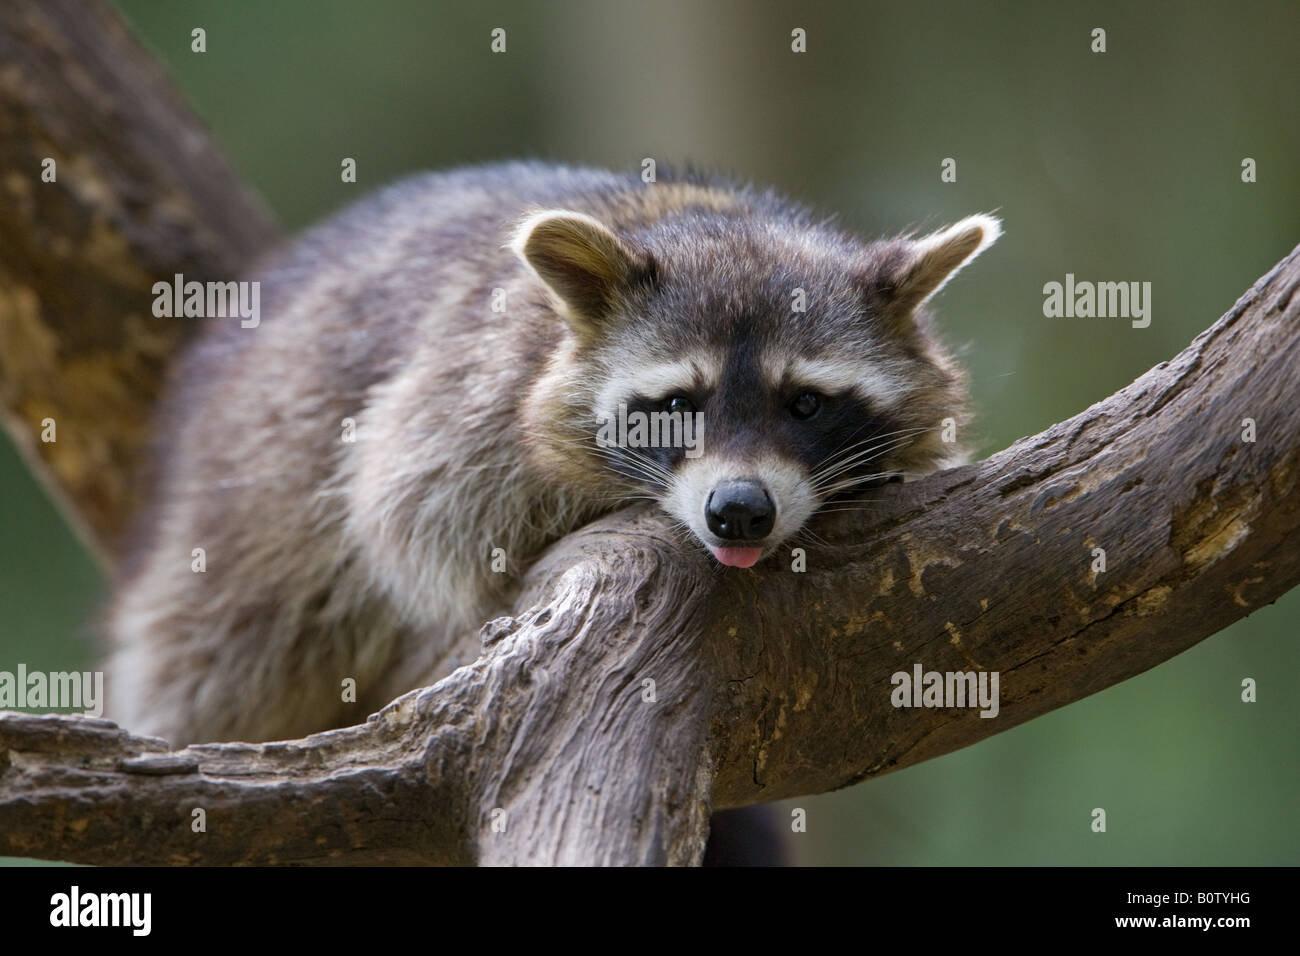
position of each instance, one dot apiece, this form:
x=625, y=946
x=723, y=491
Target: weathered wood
x=769, y=683
x=538, y=753
x=141, y=194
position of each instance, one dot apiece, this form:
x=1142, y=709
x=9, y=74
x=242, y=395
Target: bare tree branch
x=766, y=683
x=140, y=194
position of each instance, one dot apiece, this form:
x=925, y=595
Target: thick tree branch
x=768, y=683
x=140, y=193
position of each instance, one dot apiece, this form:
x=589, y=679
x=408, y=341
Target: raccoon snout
x=740, y=510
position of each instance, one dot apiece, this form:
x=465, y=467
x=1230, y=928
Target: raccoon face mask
x=744, y=371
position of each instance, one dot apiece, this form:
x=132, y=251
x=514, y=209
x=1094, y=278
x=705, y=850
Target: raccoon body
x=417, y=416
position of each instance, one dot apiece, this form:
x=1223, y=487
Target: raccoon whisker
x=622, y=452
x=836, y=468
x=640, y=473
x=849, y=480
x=680, y=531
x=847, y=483
x=634, y=492
x=854, y=509
x=855, y=451
x=823, y=479
x=860, y=504
x=808, y=533
x=619, y=499
x=636, y=462
x=844, y=447
x=584, y=440
x=658, y=479
x=879, y=436
x=861, y=458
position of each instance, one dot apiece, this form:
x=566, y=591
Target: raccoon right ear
x=586, y=267
x=918, y=268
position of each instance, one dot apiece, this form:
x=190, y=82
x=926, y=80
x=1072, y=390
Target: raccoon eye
x=806, y=405
x=680, y=404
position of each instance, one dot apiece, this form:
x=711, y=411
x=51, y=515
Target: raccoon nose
x=740, y=511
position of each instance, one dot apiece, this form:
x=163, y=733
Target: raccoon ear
x=586, y=267
x=921, y=267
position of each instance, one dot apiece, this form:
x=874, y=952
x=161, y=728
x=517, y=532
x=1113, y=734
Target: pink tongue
x=737, y=557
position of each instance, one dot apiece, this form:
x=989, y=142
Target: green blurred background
x=1117, y=166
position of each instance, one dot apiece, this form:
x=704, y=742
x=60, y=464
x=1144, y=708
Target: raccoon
x=369, y=471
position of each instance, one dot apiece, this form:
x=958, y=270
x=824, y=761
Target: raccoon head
x=745, y=370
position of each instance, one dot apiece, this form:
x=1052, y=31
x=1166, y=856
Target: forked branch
x=636, y=687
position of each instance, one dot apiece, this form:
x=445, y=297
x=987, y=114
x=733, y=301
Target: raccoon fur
x=470, y=331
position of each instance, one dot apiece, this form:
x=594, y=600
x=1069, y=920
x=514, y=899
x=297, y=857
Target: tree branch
x=140, y=193
x=767, y=683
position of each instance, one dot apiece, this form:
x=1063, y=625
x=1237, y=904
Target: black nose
x=740, y=511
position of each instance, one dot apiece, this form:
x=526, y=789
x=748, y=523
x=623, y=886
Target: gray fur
x=328, y=560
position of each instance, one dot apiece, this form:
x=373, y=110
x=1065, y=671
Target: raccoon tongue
x=737, y=557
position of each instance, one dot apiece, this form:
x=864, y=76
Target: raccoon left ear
x=585, y=265
x=922, y=267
